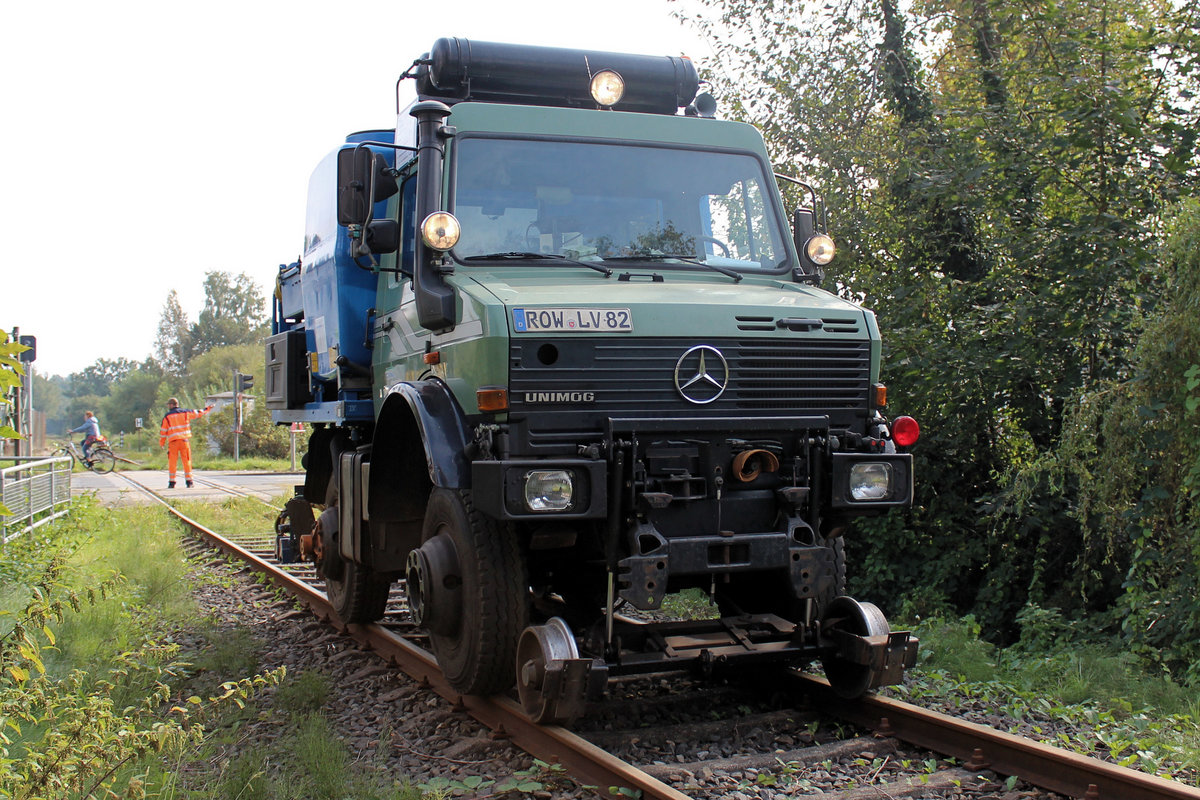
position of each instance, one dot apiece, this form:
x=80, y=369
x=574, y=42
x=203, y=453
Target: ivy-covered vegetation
x=1010, y=186
x=1063, y=685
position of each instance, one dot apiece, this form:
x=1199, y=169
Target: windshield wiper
x=737, y=276
x=521, y=255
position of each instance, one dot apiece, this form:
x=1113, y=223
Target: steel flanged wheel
x=541, y=646
x=356, y=593
x=850, y=679
x=293, y=524
x=325, y=546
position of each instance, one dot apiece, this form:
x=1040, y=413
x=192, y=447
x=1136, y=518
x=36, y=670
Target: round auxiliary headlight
x=820, y=249
x=607, y=88
x=440, y=231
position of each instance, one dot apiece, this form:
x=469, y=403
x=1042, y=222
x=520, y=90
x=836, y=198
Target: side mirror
x=383, y=236
x=803, y=227
x=362, y=174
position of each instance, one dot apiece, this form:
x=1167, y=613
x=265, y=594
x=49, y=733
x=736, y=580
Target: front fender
x=427, y=409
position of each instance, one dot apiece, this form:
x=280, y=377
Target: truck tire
x=838, y=545
x=361, y=596
x=356, y=593
x=478, y=655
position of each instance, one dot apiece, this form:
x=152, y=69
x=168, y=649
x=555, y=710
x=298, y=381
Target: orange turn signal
x=880, y=396
x=492, y=398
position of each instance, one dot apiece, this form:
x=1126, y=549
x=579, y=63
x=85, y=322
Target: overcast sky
x=144, y=144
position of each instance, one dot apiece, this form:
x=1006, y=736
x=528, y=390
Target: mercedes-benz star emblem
x=701, y=374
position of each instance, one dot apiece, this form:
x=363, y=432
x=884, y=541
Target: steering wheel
x=533, y=238
x=724, y=247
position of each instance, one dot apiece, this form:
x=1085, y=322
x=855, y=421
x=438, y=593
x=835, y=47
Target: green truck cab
x=565, y=354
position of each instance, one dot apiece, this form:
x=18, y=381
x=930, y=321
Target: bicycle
x=100, y=458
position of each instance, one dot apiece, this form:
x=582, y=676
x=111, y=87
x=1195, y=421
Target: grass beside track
x=1065, y=671
x=145, y=635
x=146, y=632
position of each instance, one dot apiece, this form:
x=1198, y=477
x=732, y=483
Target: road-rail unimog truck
x=563, y=355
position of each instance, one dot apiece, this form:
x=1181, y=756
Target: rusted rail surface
x=981, y=747
x=977, y=746
x=582, y=760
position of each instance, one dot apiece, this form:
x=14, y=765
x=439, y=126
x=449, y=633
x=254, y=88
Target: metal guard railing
x=36, y=491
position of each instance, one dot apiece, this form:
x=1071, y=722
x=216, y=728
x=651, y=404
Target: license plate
x=571, y=320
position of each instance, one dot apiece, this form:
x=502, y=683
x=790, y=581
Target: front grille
x=565, y=390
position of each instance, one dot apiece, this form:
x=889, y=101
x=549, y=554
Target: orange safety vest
x=177, y=424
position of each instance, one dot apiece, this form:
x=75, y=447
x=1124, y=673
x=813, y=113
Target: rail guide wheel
x=851, y=678
x=295, y=522
x=355, y=592
x=552, y=680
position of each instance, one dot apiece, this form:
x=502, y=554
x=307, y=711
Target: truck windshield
x=589, y=202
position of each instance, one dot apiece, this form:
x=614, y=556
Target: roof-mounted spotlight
x=607, y=88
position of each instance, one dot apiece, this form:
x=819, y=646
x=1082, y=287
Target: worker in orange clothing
x=176, y=435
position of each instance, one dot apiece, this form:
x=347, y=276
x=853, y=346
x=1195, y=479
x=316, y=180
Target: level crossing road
x=113, y=489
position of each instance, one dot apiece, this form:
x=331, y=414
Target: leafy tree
x=173, y=342
x=212, y=372
x=134, y=396
x=48, y=397
x=99, y=378
x=234, y=313
x=75, y=406
x=997, y=181
x=1132, y=449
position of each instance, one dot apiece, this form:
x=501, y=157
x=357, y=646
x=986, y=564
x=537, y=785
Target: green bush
x=260, y=436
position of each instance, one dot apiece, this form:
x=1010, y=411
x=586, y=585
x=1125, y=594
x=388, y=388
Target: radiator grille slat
x=635, y=378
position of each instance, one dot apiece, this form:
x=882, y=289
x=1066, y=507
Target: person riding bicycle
x=91, y=430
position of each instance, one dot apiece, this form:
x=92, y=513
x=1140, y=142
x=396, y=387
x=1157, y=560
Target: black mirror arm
x=820, y=212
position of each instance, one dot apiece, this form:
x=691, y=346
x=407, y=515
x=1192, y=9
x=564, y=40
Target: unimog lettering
x=522, y=458
x=560, y=397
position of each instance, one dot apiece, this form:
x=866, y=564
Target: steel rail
x=981, y=747
x=584, y=761
x=236, y=492
x=978, y=746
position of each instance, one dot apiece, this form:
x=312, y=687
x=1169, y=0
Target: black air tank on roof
x=553, y=76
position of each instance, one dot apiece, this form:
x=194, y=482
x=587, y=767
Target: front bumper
x=499, y=485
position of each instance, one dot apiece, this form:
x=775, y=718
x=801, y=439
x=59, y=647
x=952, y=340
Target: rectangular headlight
x=549, y=490
x=870, y=480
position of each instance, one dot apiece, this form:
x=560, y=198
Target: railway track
x=672, y=737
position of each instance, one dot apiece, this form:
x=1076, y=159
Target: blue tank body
x=329, y=297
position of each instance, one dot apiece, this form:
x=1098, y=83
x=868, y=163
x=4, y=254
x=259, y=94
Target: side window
x=320, y=224
x=737, y=220
x=408, y=229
